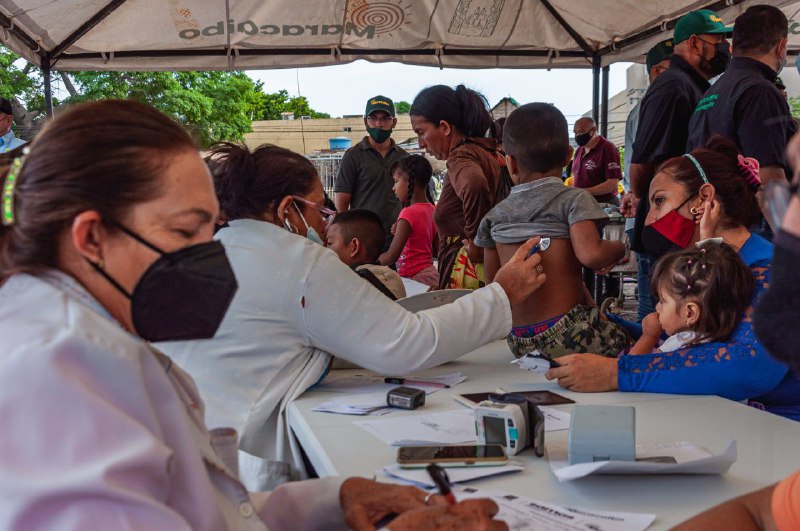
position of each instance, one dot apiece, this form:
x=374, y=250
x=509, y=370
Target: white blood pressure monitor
x=505, y=424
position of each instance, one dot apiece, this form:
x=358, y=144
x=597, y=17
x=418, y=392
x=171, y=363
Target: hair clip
x=9, y=187
x=689, y=261
x=750, y=168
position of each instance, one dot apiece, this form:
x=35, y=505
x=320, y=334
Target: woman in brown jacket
x=451, y=124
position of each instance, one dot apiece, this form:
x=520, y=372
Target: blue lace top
x=738, y=369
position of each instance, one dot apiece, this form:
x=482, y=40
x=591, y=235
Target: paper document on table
x=554, y=419
x=651, y=459
x=371, y=384
x=528, y=514
x=359, y=404
x=462, y=474
x=447, y=427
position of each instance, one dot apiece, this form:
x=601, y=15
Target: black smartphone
x=462, y=455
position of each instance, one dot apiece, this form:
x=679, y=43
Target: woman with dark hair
x=707, y=193
x=451, y=125
x=105, y=246
x=299, y=304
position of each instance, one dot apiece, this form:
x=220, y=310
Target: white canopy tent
x=257, y=34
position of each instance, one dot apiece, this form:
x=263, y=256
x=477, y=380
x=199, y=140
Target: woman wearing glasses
x=298, y=304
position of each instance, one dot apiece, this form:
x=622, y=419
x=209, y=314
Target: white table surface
x=767, y=444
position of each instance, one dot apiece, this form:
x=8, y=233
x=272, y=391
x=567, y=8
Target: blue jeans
x=646, y=304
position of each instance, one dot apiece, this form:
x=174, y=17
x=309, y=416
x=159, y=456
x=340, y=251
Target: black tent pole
x=604, y=103
x=48, y=90
x=595, y=87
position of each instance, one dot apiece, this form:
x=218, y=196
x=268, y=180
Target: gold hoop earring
x=694, y=211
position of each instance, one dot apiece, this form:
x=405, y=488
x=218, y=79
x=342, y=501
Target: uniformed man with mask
x=701, y=52
x=745, y=104
x=364, y=180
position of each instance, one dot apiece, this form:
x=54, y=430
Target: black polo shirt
x=664, y=115
x=745, y=106
x=364, y=174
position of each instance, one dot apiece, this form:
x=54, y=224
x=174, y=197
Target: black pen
x=442, y=482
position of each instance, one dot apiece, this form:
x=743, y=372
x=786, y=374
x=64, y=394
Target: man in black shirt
x=745, y=105
x=700, y=53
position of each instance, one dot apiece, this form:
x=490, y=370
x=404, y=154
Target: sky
x=344, y=89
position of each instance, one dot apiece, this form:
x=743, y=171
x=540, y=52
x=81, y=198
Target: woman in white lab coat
x=105, y=245
x=298, y=304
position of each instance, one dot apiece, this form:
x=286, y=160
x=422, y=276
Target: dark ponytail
x=248, y=184
x=464, y=109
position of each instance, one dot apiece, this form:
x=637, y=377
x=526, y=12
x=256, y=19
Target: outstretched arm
x=592, y=251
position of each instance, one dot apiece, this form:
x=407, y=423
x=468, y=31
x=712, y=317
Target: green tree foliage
x=794, y=104
x=271, y=105
x=214, y=105
x=402, y=107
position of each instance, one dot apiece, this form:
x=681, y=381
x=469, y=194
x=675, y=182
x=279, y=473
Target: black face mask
x=777, y=312
x=583, y=138
x=183, y=295
x=722, y=56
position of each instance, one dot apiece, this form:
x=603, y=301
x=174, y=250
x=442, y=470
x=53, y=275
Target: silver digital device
x=503, y=424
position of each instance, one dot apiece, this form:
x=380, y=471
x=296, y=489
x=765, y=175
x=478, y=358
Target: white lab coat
x=101, y=432
x=296, y=304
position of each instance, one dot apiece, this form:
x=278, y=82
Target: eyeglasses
x=777, y=195
x=379, y=119
x=327, y=213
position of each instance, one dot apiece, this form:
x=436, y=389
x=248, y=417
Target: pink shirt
x=418, y=251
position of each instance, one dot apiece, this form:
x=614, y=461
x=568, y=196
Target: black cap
x=5, y=106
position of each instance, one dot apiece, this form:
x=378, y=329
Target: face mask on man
x=719, y=62
x=183, y=295
x=668, y=233
x=379, y=135
x=777, y=312
x=583, y=138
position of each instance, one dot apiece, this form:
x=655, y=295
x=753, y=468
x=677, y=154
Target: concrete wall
x=307, y=136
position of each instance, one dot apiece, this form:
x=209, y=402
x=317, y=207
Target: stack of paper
x=525, y=513
x=448, y=427
x=362, y=404
x=421, y=478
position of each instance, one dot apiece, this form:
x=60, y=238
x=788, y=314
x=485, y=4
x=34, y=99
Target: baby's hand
x=651, y=326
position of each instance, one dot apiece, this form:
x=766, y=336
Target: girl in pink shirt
x=414, y=233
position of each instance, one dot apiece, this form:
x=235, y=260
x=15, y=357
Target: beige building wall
x=307, y=136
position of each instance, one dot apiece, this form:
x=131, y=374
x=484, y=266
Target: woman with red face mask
x=707, y=193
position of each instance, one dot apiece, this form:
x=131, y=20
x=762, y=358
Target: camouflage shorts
x=580, y=330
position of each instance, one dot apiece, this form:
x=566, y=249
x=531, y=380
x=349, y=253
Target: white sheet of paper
x=690, y=459
x=554, y=419
x=359, y=404
x=421, y=478
x=528, y=514
x=447, y=427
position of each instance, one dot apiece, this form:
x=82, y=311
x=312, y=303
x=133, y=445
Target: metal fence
x=327, y=164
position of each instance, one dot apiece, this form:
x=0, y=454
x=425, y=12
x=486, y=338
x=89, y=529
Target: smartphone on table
x=452, y=456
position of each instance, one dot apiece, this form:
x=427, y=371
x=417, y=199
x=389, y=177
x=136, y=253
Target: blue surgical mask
x=311, y=232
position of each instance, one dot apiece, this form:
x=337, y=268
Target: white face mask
x=311, y=232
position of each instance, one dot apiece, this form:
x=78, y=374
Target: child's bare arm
x=491, y=263
x=401, y=233
x=592, y=251
x=651, y=332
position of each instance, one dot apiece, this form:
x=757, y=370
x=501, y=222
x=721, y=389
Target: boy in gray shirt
x=555, y=320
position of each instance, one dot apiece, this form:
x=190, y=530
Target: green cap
x=700, y=22
x=379, y=103
x=659, y=52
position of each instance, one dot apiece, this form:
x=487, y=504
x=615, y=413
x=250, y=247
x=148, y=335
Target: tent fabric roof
x=253, y=34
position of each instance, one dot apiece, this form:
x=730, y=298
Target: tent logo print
x=714, y=18
x=385, y=17
x=476, y=18
x=248, y=27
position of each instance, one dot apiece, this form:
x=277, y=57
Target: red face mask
x=668, y=233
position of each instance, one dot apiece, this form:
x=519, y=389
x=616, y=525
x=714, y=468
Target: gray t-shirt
x=545, y=207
